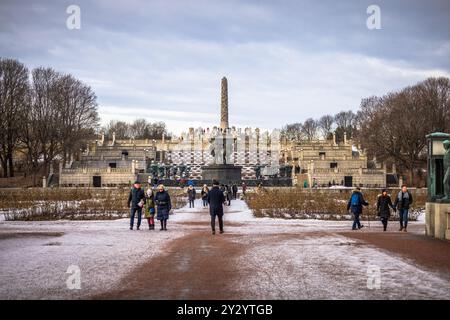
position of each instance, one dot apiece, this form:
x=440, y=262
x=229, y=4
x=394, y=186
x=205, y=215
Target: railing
x=348, y=171
x=96, y=170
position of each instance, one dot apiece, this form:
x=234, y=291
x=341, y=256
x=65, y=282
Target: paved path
x=256, y=258
x=282, y=259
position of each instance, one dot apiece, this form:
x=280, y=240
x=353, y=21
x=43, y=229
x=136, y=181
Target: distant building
x=318, y=162
x=325, y=163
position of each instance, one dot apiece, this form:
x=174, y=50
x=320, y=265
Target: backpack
x=355, y=200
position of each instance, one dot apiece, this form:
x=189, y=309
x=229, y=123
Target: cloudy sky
x=285, y=60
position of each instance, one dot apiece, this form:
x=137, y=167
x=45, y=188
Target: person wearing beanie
x=136, y=200
x=384, y=205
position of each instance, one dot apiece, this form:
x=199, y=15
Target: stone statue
x=447, y=170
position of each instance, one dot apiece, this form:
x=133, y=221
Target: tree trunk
x=11, y=164
x=5, y=168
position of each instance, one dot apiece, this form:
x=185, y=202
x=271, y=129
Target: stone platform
x=224, y=173
x=437, y=219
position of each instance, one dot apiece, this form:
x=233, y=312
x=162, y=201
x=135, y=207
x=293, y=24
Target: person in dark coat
x=355, y=204
x=136, y=200
x=384, y=205
x=402, y=203
x=216, y=198
x=191, y=196
x=228, y=194
x=204, y=194
x=163, y=206
x=235, y=191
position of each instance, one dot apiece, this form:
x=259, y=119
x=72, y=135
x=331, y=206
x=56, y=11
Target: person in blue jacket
x=355, y=205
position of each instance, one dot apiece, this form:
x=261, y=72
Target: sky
x=285, y=61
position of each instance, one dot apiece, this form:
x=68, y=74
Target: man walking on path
x=216, y=199
x=235, y=191
x=402, y=203
x=355, y=205
x=191, y=195
x=136, y=201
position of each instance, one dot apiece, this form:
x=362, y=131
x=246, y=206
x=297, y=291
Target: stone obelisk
x=224, y=105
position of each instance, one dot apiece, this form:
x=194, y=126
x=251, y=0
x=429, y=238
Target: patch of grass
x=318, y=204
x=71, y=203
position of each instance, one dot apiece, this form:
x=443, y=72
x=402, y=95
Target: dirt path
x=279, y=259
x=197, y=266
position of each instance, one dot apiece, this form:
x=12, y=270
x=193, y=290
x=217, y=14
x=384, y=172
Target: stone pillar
x=44, y=182
x=224, y=104
x=334, y=139
x=345, y=138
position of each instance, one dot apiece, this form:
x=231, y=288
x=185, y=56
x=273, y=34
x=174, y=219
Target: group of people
x=153, y=203
x=159, y=204
x=402, y=203
x=230, y=192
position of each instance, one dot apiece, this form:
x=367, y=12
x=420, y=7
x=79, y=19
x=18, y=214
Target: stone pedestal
x=224, y=173
x=437, y=219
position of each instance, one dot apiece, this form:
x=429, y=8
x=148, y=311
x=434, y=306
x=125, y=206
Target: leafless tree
x=325, y=124
x=310, y=128
x=13, y=93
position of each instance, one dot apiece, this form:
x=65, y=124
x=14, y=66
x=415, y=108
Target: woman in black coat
x=384, y=205
x=163, y=206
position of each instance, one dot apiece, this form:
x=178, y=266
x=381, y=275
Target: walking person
x=402, y=203
x=244, y=188
x=150, y=210
x=384, y=205
x=136, y=200
x=355, y=204
x=216, y=198
x=163, y=206
x=235, y=191
x=204, y=194
x=228, y=193
x=191, y=196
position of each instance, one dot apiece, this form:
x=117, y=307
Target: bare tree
x=77, y=115
x=325, y=125
x=13, y=93
x=310, y=128
x=394, y=126
x=293, y=131
x=120, y=128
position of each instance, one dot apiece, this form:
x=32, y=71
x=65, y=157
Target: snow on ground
x=33, y=265
x=296, y=262
x=334, y=267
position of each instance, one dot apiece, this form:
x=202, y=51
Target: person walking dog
x=355, y=204
x=136, y=200
x=216, y=198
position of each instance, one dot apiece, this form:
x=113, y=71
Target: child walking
x=150, y=209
